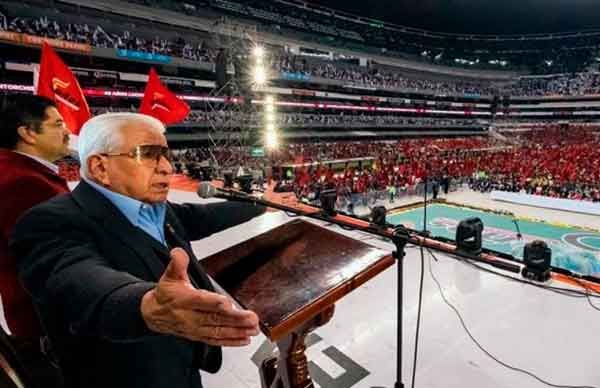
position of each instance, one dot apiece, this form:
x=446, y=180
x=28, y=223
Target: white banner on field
x=570, y=205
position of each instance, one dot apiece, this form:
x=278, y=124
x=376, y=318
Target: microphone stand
x=400, y=238
x=519, y=235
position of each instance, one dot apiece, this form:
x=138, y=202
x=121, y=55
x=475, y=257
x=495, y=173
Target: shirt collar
x=46, y=163
x=130, y=207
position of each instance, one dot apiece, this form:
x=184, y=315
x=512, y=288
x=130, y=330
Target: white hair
x=102, y=134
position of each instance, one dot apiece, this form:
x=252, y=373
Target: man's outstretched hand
x=175, y=307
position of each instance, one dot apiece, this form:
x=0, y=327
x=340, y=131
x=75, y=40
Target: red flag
x=57, y=82
x=161, y=103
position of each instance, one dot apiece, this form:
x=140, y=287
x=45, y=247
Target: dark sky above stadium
x=479, y=16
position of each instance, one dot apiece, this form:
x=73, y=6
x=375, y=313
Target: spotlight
x=328, y=199
x=269, y=100
x=270, y=127
x=468, y=235
x=271, y=141
x=537, y=257
x=269, y=117
x=228, y=179
x=378, y=214
x=245, y=182
x=260, y=76
x=258, y=51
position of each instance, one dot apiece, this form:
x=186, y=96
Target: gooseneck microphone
x=206, y=190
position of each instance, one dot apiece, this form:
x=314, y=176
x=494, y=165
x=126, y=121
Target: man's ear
x=27, y=135
x=97, y=166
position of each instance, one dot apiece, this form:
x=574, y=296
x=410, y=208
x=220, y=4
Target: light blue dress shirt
x=149, y=218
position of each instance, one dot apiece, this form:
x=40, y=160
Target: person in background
x=33, y=136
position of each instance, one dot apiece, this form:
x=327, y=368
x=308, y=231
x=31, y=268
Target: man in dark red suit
x=33, y=135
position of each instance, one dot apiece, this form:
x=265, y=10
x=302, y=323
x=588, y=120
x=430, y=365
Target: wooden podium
x=291, y=276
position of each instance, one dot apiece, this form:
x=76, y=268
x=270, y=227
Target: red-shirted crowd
x=554, y=162
x=557, y=162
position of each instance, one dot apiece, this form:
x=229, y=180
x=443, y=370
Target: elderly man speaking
x=113, y=275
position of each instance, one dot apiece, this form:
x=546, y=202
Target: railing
x=352, y=202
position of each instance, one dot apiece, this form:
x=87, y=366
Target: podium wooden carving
x=291, y=277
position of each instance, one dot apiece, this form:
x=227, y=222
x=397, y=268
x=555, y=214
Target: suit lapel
x=116, y=224
x=174, y=232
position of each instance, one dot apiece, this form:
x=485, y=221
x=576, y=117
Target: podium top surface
x=293, y=272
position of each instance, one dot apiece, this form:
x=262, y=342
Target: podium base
x=290, y=368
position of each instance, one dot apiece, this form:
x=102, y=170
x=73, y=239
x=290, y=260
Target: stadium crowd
x=98, y=37
x=584, y=83
x=374, y=76
x=232, y=118
x=554, y=162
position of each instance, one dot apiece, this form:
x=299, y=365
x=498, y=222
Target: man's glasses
x=146, y=154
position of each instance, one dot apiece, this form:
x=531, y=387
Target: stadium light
x=328, y=199
x=258, y=51
x=468, y=235
x=271, y=137
x=260, y=76
x=271, y=141
x=269, y=117
x=378, y=216
x=537, y=257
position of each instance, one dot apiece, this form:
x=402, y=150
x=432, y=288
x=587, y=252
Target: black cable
x=418, y=329
x=592, y=305
x=559, y=290
x=420, y=303
x=508, y=366
x=587, y=294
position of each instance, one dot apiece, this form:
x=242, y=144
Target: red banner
x=161, y=103
x=57, y=82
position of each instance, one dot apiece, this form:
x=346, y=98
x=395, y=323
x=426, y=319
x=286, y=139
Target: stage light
x=258, y=51
x=468, y=235
x=270, y=127
x=270, y=108
x=328, y=199
x=260, y=76
x=271, y=141
x=378, y=214
x=245, y=182
x=537, y=257
x=269, y=117
x=227, y=179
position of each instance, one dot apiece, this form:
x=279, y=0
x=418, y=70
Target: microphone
x=513, y=219
x=206, y=190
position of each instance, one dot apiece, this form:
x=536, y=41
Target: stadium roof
x=478, y=16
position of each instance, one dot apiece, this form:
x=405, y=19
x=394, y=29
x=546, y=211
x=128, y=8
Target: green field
x=574, y=249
